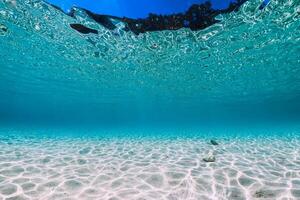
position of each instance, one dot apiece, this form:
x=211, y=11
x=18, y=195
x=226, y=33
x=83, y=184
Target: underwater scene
x=149, y=99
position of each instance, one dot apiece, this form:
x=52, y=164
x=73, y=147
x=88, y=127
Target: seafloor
x=41, y=166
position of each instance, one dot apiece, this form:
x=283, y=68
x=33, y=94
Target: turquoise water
x=124, y=116
x=245, y=68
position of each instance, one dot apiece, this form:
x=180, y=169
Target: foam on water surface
x=58, y=167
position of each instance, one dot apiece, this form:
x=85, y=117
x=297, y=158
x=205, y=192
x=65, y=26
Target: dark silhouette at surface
x=83, y=29
x=197, y=17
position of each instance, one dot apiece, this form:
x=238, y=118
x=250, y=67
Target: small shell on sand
x=210, y=157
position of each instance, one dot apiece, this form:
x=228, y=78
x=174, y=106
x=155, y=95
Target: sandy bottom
x=149, y=168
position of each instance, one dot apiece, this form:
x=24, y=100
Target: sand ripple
x=152, y=168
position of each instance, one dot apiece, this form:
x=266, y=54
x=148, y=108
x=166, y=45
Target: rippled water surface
x=252, y=55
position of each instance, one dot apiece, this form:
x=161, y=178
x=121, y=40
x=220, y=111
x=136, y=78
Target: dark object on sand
x=214, y=142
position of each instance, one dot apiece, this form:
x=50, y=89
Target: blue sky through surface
x=136, y=8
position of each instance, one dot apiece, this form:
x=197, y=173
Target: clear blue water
x=242, y=70
x=135, y=109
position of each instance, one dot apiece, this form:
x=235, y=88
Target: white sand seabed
x=146, y=169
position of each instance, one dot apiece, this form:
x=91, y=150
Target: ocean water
x=122, y=116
